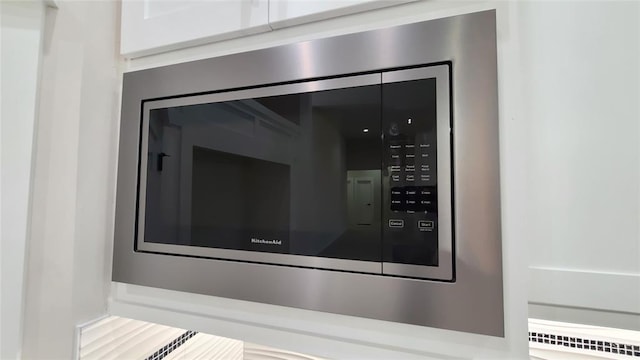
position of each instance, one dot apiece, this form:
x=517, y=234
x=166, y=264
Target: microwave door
x=418, y=212
x=286, y=175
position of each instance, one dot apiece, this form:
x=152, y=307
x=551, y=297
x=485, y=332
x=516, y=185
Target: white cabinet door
x=284, y=13
x=152, y=26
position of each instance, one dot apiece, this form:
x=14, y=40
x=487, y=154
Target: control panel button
x=397, y=199
x=396, y=223
x=425, y=225
x=414, y=198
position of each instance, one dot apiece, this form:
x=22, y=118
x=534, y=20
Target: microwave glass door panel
x=350, y=173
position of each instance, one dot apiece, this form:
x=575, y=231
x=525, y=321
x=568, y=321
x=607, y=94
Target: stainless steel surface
x=474, y=303
x=274, y=258
x=302, y=87
x=444, y=270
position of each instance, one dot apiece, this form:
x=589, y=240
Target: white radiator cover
x=114, y=337
x=555, y=340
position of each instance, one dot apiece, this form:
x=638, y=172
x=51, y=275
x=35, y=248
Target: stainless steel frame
x=473, y=303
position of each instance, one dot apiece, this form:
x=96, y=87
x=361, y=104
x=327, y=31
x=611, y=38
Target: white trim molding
x=619, y=292
x=21, y=49
x=587, y=297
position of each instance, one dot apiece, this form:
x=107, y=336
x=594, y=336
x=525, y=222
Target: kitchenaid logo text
x=267, y=242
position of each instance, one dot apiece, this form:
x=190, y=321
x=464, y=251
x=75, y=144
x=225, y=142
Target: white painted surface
x=395, y=15
x=152, y=26
x=283, y=13
x=259, y=352
x=155, y=26
x=74, y=177
x=20, y=49
x=581, y=85
x=544, y=354
x=607, y=291
x=337, y=336
x=572, y=314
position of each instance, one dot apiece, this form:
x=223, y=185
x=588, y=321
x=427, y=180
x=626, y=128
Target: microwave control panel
x=410, y=223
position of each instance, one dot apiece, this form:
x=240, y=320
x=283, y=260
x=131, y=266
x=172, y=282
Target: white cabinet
x=284, y=13
x=152, y=26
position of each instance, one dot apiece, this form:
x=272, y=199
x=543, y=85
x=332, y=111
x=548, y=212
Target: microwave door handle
x=161, y=157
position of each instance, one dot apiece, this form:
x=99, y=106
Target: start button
x=426, y=225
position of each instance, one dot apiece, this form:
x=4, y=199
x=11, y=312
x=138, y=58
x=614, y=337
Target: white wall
x=74, y=177
x=337, y=336
x=581, y=93
x=20, y=38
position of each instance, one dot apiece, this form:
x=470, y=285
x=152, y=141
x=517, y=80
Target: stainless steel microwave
x=366, y=164
x=350, y=173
